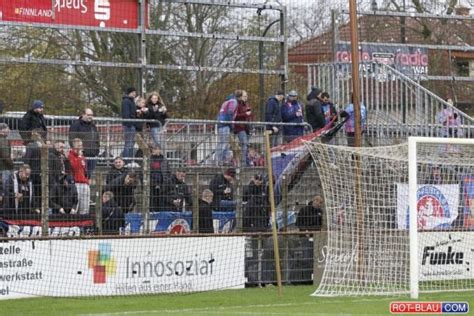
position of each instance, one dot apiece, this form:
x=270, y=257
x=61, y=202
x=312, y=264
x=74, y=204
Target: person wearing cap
x=273, y=115
x=222, y=187
x=129, y=114
x=313, y=111
x=33, y=120
x=85, y=129
x=292, y=112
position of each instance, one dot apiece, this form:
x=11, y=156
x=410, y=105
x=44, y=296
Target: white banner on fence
x=446, y=255
x=24, y=268
x=128, y=266
x=437, y=205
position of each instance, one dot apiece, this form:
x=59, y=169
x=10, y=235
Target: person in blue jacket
x=292, y=112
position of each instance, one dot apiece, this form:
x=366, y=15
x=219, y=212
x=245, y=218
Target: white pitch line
x=221, y=308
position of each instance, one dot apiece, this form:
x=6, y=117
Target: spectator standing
x=19, y=193
x=33, y=120
x=142, y=113
x=123, y=187
x=256, y=205
x=159, y=176
x=85, y=129
x=314, y=112
x=243, y=114
x=6, y=163
x=63, y=196
x=221, y=187
x=116, y=170
x=350, y=123
x=129, y=114
x=79, y=174
x=310, y=216
x=206, y=225
x=328, y=109
x=157, y=111
x=177, y=193
x=226, y=114
x=273, y=115
x=112, y=217
x=57, y=162
x=32, y=158
x=292, y=112
x=449, y=120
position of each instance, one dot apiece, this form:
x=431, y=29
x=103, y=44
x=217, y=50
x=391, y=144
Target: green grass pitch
x=296, y=300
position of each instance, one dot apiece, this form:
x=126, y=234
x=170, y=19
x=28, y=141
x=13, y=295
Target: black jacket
x=309, y=218
x=27, y=203
x=217, y=186
x=112, y=217
x=175, y=189
x=129, y=111
x=62, y=196
x=256, y=214
x=124, y=195
x=252, y=189
x=156, y=115
x=57, y=166
x=273, y=112
x=159, y=170
x=89, y=135
x=115, y=173
x=314, y=114
x=30, y=121
x=205, y=217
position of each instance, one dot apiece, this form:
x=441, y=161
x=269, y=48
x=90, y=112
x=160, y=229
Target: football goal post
x=400, y=218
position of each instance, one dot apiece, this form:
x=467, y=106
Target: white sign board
x=130, y=266
x=446, y=255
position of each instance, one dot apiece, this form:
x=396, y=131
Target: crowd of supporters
x=71, y=164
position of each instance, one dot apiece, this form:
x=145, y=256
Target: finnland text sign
x=411, y=61
x=95, y=13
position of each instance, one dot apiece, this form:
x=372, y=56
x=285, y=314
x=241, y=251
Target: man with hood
x=314, y=112
x=33, y=120
x=85, y=129
x=273, y=115
x=129, y=114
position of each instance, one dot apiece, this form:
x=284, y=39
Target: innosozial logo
x=102, y=263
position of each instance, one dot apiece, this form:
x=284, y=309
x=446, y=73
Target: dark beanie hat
x=37, y=104
x=130, y=90
x=313, y=93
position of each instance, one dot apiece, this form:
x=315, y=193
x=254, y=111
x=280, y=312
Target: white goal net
x=367, y=206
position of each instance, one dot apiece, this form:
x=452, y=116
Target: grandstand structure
x=137, y=250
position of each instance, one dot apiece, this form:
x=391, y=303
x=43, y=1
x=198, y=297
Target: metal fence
x=397, y=106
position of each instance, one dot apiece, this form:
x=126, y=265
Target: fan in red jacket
x=244, y=114
x=79, y=173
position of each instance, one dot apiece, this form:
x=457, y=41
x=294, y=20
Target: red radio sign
x=98, y=13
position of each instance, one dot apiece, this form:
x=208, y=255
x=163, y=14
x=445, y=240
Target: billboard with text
x=94, y=13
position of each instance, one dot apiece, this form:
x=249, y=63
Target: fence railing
x=397, y=105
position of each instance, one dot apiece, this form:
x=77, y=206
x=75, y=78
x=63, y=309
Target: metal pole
x=283, y=50
x=143, y=47
x=261, y=77
x=358, y=136
x=271, y=196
